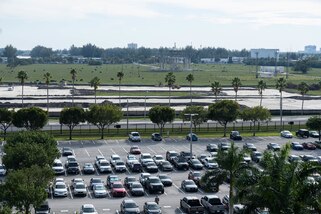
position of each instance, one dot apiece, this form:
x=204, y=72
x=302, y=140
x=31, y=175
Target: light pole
x=191, y=131
x=145, y=106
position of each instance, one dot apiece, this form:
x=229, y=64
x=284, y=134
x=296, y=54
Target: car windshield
x=117, y=186
x=115, y=158
x=197, y=174
x=159, y=158
x=274, y=144
x=131, y=179
x=146, y=157
x=152, y=207
x=88, y=210
x=154, y=180
x=165, y=163
x=134, y=147
x=173, y=154
x=137, y=185
x=195, y=161
x=135, y=134
x=114, y=178
x=119, y=163
x=55, y=164
x=258, y=154
x=88, y=165
x=104, y=163
x=96, y=181
x=295, y=158
x=60, y=186
x=72, y=164
x=236, y=133
x=99, y=187
x=130, y=205
x=164, y=177
x=286, y=132
x=211, y=161
x=214, y=201
x=80, y=186
x=157, y=135
x=189, y=183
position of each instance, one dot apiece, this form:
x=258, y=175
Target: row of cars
x=302, y=133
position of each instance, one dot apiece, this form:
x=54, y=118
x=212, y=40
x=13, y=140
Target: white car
x=80, y=189
x=120, y=166
x=3, y=170
x=134, y=137
x=113, y=159
x=210, y=163
x=286, y=134
x=58, y=167
x=88, y=209
x=130, y=158
x=158, y=158
x=77, y=180
x=60, y=189
x=103, y=166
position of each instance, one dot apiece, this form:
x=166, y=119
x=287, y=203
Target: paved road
x=86, y=151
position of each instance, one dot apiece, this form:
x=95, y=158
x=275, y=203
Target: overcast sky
x=234, y=24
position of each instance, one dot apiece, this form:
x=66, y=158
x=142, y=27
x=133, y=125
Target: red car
x=118, y=190
x=309, y=146
x=135, y=150
x=195, y=176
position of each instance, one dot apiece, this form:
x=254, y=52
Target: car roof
x=191, y=197
x=88, y=206
x=150, y=203
x=212, y=196
x=129, y=201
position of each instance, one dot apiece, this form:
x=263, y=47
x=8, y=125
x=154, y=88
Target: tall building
x=132, y=46
x=264, y=53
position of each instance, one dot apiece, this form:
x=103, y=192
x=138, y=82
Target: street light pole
x=191, y=131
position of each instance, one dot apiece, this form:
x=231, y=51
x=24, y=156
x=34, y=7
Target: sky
x=288, y=25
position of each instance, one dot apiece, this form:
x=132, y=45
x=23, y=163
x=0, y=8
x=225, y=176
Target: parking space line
x=89, y=193
x=112, y=151
x=100, y=152
x=87, y=152
x=124, y=150
x=117, y=211
x=106, y=142
x=108, y=194
x=64, y=211
x=167, y=206
x=180, y=209
x=117, y=141
x=201, y=191
x=93, y=141
x=151, y=150
x=147, y=194
x=179, y=189
x=70, y=192
x=106, y=209
x=163, y=149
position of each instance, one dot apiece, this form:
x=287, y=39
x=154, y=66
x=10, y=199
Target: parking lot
x=86, y=151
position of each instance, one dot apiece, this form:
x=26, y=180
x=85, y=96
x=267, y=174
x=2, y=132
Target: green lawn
x=204, y=75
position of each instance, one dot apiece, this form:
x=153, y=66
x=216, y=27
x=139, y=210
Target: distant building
x=208, y=60
x=4, y=60
x=310, y=49
x=132, y=46
x=264, y=53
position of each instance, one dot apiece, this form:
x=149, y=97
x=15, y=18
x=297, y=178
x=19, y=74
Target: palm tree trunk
x=73, y=91
x=215, y=97
x=70, y=130
x=230, y=204
x=102, y=133
x=119, y=92
x=302, y=104
x=261, y=100
x=254, y=128
x=47, y=99
x=236, y=96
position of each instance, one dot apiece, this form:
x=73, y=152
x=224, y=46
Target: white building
x=132, y=46
x=264, y=53
x=310, y=49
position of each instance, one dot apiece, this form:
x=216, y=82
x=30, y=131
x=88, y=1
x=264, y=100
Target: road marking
x=112, y=151
x=165, y=193
x=201, y=191
x=69, y=142
x=93, y=141
x=146, y=194
x=124, y=149
x=117, y=211
x=100, y=152
x=179, y=189
x=70, y=192
x=163, y=149
x=64, y=211
x=89, y=193
x=117, y=141
x=82, y=143
x=106, y=209
x=167, y=207
x=180, y=209
x=87, y=152
x=151, y=150
x=106, y=142
x=108, y=194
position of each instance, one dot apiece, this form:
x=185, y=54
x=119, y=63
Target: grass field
x=204, y=75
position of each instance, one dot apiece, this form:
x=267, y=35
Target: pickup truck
x=213, y=204
x=192, y=205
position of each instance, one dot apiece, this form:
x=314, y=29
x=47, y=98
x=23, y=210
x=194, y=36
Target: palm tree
x=190, y=79
x=47, y=77
x=280, y=85
x=22, y=76
x=73, y=73
x=95, y=82
x=216, y=89
x=261, y=86
x=170, y=79
x=236, y=84
x=303, y=88
x=120, y=76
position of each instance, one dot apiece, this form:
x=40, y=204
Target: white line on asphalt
x=87, y=152
x=117, y=211
x=165, y=193
x=127, y=194
x=64, y=211
x=93, y=141
x=167, y=206
x=112, y=151
x=201, y=191
x=106, y=209
x=70, y=192
x=89, y=193
x=106, y=142
x=124, y=149
x=69, y=142
x=151, y=150
x=186, y=147
x=163, y=149
x=108, y=194
x=179, y=189
x=180, y=210
x=82, y=143
x=117, y=141
x=100, y=152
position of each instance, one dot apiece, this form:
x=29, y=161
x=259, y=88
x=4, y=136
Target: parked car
x=60, y=189
x=201, y=157
x=120, y=166
x=192, y=136
x=136, y=189
x=113, y=159
x=191, y=205
x=296, y=146
x=154, y=185
x=158, y=158
x=195, y=164
x=98, y=158
x=186, y=155
x=103, y=166
x=88, y=209
x=129, y=180
x=235, y=135
x=57, y=167
x=309, y=158
x=118, y=190
x=70, y=158
x=256, y=156
x=151, y=208
x=213, y=204
x=130, y=158
x=170, y=155
x=143, y=176
x=286, y=134
x=211, y=147
x=43, y=208
x=135, y=166
x=134, y=137
x=145, y=157
x=99, y=191
x=274, y=146
x=111, y=179
x=317, y=144
x=165, y=166
x=66, y=151
x=195, y=176
x=156, y=137
x=74, y=181
x=151, y=167
x=303, y=133
x=309, y=146
x=73, y=168
x=224, y=146
x=294, y=158
x=95, y=181
x=249, y=146
x=189, y=186
x=135, y=150
x=88, y=168
x=314, y=134
x=80, y=189
x=210, y=163
x=129, y=206
x=180, y=163
x=165, y=179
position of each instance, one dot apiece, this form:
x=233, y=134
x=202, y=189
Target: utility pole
x=257, y=66
x=287, y=65
x=191, y=132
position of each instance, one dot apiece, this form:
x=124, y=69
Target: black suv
x=154, y=185
x=73, y=168
x=235, y=135
x=302, y=133
x=180, y=163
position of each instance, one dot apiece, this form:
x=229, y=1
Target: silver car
x=100, y=191
x=80, y=189
x=60, y=189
